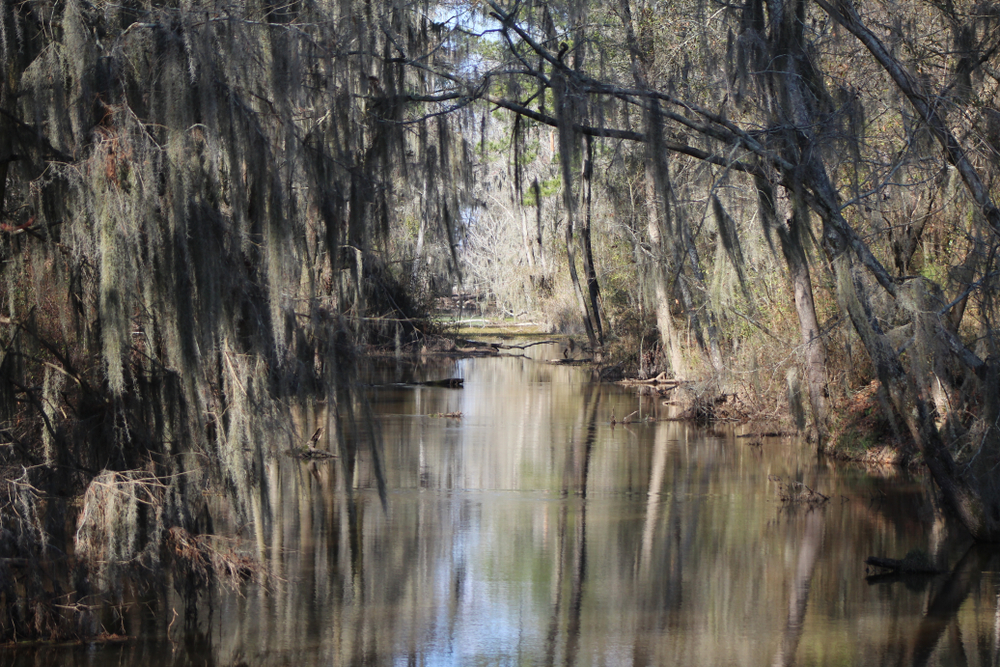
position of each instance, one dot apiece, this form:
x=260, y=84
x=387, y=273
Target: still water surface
x=533, y=532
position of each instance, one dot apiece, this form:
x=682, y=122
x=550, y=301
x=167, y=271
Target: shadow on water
x=805, y=565
x=946, y=596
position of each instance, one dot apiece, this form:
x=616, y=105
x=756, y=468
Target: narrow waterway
x=532, y=531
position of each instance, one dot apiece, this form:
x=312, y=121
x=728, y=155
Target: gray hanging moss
x=194, y=201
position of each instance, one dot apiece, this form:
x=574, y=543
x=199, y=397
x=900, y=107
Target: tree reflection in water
x=812, y=538
x=532, y=532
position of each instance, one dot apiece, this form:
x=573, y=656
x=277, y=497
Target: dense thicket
x=848, y=157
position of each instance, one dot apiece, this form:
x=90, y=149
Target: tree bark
x=805, y=309
x=593, y=287
x=845, y=14
x=661, y=288
x=566, y=146
x=815, y=359
x=526, y=241
x=790, y=239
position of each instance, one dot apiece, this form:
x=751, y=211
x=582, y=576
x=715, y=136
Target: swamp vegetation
x=211, y=211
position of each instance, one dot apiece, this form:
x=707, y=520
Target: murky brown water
x=532, y=532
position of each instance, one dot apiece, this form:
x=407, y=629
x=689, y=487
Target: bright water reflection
x=533, y=532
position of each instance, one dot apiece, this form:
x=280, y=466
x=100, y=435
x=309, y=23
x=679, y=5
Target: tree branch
x=845, y=14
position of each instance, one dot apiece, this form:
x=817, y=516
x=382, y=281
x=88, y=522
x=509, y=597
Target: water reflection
x=812, y=538
x=532, y=531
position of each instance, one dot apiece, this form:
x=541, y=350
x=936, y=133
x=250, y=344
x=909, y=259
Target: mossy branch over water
x=193, y=239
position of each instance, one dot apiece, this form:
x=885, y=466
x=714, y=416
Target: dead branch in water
x=199, y=558
x=504, y=346
x=797, y=492
x=915, y=562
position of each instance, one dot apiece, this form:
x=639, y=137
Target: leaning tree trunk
x=972, y=494
x=573, y=276
x=972, y=498
x=593, y=287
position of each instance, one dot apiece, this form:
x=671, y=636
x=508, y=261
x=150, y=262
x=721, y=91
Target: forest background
x=210, y=210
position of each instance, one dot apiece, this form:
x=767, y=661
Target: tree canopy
x=207, y=208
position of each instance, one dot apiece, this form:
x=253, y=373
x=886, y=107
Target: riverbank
x=859, y=430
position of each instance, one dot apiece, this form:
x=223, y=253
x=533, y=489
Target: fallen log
x=660, y=380
x=479, y=351
x=507, y=346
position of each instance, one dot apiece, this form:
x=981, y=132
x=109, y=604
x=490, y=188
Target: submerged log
x=449, y=383
x=914, y=563
x=452, y=383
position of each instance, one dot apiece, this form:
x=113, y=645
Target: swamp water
x=531, y=531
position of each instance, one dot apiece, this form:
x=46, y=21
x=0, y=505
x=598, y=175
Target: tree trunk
x=575, y=278
x=815, y=361
x=790, y=238
x=4, y=162
x=710, y=327
x=661, y=288
x=566, y=152
x=657, y=201
x=593, y=288
x=805, y=309
x=418, y=251
x=526, y=241
x=537, y=191
x=973, y=499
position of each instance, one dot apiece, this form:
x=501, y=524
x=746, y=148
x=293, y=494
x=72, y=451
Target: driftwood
x=626, y=420
x=660, y=380
x=791, y=491
x=310, y=453
x=489, y=351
